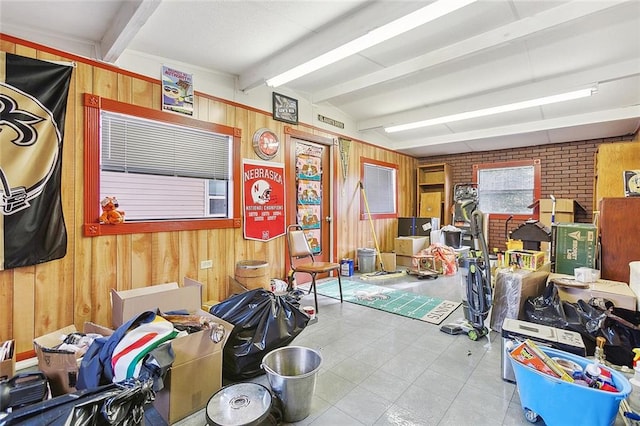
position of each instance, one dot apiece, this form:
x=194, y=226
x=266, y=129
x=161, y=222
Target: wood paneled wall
x=38, y=299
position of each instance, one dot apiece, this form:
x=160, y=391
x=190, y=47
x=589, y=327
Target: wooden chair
x=299, y=249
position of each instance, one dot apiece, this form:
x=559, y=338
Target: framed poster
x=285, y=108
x=177, y=91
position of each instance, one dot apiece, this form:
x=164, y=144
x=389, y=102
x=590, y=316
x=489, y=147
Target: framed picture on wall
x=285, y=108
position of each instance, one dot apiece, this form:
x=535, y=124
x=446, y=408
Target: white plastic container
x=634, y=280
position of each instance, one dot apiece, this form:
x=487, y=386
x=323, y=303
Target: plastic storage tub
x=562, y=403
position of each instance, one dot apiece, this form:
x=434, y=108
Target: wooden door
x=310, y=183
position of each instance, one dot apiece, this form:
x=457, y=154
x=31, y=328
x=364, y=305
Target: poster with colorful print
x=313, y=236
x=309, y=192
x=309, y=216
x=263, y=200
x=308, y=167
x=177, y=91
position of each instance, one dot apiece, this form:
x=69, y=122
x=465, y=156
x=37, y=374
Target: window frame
x=363, y=211
x=537, y=181
x=93, y=104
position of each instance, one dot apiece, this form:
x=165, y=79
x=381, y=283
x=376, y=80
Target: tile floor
x=383, y=369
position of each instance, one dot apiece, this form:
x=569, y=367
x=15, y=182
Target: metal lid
x=238, y=405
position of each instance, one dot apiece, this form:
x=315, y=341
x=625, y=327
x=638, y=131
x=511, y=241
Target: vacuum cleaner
x=477, y=286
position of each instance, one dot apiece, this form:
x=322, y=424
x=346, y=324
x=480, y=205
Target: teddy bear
x=110, y=214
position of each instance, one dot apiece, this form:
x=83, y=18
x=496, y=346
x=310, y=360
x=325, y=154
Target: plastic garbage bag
x=262, y=322
x=592, y=318
x=120, y=404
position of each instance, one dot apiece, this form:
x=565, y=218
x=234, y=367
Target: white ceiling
x=488, y=53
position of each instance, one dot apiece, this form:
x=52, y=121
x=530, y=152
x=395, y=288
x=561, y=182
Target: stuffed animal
x=110, y=214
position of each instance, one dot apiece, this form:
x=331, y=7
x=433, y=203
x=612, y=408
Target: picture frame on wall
x=285, y=108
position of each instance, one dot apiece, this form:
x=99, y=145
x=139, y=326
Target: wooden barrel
x=253, y=274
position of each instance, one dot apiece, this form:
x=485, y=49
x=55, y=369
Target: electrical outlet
x=206, y=264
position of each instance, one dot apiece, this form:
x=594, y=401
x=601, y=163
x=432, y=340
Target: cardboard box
x=525, y=259
x=388, y=261
x=196, y=372
x=408, y=246
x=574, y=246
x=565, y=210
x=60, y=366
x=512, y=288
x=618, y=292
x=8, y=365
x=403, y=260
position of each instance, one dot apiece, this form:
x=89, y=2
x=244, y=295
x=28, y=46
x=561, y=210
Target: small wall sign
x=285, y=108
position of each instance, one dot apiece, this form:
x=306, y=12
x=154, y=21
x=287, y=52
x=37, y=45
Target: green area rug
x=407, y=304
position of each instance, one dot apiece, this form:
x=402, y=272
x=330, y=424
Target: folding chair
x=299, y=249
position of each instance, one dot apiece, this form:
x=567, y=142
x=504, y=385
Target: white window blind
x=380, y=185
x=135, y=145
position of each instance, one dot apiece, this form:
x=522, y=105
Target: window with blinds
x=379, y=188
x=161, y=170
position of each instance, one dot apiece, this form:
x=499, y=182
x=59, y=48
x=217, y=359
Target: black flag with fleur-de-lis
x=33, y=103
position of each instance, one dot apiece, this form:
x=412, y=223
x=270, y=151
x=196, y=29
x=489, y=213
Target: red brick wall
x=567, y=172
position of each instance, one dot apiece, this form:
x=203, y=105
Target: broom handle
x=373, y=231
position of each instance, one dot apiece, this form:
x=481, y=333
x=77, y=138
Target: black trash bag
x=620, y=329
x=262, y=322
x=598, y=317
x=546, y=309
x=120, y=404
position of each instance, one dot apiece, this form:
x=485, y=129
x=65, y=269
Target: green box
x=575, y=246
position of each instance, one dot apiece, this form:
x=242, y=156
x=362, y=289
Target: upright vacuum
x=477, y=285
x=479, y=294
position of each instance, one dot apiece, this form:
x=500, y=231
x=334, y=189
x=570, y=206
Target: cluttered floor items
x=563, y=388
x=412, y=305
x=169, y=363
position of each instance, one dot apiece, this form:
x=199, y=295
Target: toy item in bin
x=560, y=402
x=529, y=353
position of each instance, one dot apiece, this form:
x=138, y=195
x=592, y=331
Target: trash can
x=292, y=371
x=452, y=239
x=366, y=260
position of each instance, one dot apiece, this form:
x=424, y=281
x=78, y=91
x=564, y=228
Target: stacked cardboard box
x=574, y=246
x=525, y=259
x=196, y=372
x=406, y=247
x=61, y=366
x=8, y=361
x=616, y=291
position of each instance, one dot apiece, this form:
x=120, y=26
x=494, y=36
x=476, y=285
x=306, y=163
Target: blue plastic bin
x=562, y=403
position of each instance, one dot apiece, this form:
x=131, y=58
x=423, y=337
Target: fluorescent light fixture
x=577, y=94
x=401, y=25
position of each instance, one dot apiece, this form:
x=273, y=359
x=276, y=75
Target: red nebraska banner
x=263, y=199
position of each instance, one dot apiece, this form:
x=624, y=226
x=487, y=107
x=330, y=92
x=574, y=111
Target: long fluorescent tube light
x=401, y=25
x=577, y=94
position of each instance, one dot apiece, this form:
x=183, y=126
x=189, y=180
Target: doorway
x=309, y=175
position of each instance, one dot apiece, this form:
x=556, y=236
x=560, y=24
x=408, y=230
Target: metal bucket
x=241, y=404
x=292, y=372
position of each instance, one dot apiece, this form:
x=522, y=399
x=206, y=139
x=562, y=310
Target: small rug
x=407, y=304
x=382, y=275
